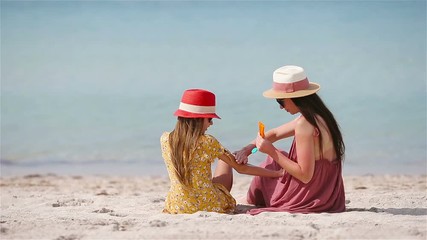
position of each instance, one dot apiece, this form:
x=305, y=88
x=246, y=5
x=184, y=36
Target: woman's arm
x=283, y=131
x=243, y=154
x=228, y=158
x=303, y=169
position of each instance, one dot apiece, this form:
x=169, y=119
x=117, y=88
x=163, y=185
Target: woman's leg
x=262, y=188
x=223, y=174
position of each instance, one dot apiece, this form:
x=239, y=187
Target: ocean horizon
x=89, y=87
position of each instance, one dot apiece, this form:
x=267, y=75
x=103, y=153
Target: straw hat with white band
x=291, y=82
x=197, y=103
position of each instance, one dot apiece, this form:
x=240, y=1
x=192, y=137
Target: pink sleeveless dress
x=324, y=193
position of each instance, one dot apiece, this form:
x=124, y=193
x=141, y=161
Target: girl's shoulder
x=211, y=144
x=209, y=138
x=164, y=137
x=209, y=141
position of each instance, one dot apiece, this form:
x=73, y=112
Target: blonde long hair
x=183, y=141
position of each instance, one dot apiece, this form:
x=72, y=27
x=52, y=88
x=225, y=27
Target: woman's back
x=328, y=152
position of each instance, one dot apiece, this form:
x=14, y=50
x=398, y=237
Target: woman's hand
x=264, y=145
x=242, y=155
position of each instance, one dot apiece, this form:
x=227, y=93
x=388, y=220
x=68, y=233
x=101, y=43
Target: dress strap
x=316, y=132
x=293, y=151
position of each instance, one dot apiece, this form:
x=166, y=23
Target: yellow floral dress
x=203, y=195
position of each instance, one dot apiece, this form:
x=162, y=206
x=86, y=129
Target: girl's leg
x=223, y=174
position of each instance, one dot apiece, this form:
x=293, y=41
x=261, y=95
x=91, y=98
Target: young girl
x=188, y=154
x=312, y=181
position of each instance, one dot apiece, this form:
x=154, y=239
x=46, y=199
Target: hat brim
x=185, y=114
x=271, y=93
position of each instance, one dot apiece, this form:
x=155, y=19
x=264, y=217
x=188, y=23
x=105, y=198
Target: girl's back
x=203, y=194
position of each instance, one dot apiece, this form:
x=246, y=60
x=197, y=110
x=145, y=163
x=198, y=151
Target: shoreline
x=50, y=206
x=140, y=169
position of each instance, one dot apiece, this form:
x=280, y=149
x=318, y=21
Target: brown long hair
x=312, y=105
x=183, y=140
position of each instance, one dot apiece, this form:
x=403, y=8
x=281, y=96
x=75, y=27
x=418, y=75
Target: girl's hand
x=264, y=145
x=281, y=172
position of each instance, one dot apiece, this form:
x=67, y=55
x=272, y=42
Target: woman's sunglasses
x=281, y=102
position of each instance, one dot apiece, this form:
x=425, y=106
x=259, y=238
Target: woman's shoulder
x=303, y=126
x=301, y=121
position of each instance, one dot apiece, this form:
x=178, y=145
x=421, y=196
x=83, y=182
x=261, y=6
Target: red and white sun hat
x=291, y=82
x=197, y=103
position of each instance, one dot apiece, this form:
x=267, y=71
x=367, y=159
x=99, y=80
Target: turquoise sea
x=88, y=87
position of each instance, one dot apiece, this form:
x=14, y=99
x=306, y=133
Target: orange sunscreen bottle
x=261, y=132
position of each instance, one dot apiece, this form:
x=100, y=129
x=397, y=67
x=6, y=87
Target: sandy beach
x=109, y=207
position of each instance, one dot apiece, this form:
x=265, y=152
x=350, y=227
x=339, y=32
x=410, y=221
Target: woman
x=313, y=168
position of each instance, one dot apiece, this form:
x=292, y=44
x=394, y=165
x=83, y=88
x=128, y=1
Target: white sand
x=108, y=207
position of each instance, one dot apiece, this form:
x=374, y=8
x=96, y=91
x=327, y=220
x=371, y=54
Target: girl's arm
x=303, y=169
x=283, y=131
x=228, y=158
